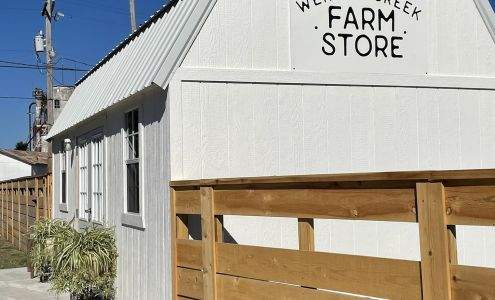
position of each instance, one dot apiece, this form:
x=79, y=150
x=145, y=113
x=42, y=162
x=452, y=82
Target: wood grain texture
x=369, y=276
x=188, y=202
x=364, y=204
x=434, y=242
x=470, y=205
x=208, y=243
x=189, y=254
x=472, y=283
x=238, y=288
x=190, y=283
x=306, y=228
x=349, y=177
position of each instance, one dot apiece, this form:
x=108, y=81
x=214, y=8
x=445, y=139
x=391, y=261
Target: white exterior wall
x=12, y=168
x=144, y=255
x=302, y=123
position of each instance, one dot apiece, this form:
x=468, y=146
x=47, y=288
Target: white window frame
x=97, y=189
x=130, y=219
x=84, y=180
x=487, y=14
x=63, y=206
x=88, y=206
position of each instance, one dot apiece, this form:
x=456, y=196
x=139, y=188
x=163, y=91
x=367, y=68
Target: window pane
x=128, y=120
x=64, y=187
x=135, y=121
x=136, y=146
x=133, y=188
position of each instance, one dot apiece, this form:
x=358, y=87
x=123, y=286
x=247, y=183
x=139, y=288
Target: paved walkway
x=15, y=284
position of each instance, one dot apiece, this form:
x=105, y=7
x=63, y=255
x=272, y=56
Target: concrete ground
x=15, y=284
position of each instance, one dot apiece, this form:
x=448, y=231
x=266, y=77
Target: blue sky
x=492, y=2
x=89, y=30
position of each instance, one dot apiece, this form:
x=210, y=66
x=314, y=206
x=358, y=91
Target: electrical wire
x=16, y=97
x=41, y=67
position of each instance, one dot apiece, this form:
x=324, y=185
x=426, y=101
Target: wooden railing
x=22, y=202
x=437, y=201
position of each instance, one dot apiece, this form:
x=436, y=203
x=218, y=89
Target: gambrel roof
x=148, y=56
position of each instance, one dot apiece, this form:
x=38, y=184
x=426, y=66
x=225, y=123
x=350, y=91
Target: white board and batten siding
x=144, y=255
x=240, y=109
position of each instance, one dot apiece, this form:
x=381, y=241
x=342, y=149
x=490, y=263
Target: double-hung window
x=84, y=211
x=132, y=161
x=63, y=177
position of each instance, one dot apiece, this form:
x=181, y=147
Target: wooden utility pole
x=47, y=13
x=133, y=16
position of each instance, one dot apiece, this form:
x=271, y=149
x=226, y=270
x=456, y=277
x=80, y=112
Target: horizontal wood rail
x=437, y=201
x=22, y=202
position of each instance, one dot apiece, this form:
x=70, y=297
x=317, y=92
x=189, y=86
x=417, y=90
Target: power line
x=16, y=97
x=41, y=68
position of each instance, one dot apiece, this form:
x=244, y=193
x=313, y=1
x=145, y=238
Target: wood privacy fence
x=437, y=201
x=22, y=202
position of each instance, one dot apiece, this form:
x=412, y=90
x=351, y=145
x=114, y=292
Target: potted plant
x=86, y=264
x=44, y=233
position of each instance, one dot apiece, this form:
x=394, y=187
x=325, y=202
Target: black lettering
x=350, y=14
x=396, y=3
x=369, y=20
x=329, y=43
x=345, y=36
x=381, y=17
x=316, y=2
x=370, y=46
x=394, y=46
x=381, y=48
x=303, y=5
x=331, y=16
x=406, y=7
x=416, y=13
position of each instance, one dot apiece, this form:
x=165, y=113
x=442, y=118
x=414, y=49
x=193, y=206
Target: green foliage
x=80, y=263
x=45, y=234
x=86, y=264
x=21, y=146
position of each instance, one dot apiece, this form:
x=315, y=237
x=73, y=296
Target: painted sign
x=366, y=36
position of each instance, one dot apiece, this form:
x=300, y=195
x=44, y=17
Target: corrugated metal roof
x=135, y=63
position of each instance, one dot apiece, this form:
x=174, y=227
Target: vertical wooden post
x=1, y=211
x=37, y=194
x=306, y=234
x=12, y=211
x=26, y=199
x=434, y=241
x=19, y=212
x=219, y=229
x=45, y=198
x=452, y=235
x=208, y=242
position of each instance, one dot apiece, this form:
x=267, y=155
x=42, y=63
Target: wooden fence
x=437, y=201
x=22, y=202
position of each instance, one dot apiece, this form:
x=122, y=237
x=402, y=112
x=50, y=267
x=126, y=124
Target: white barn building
x=238, y=88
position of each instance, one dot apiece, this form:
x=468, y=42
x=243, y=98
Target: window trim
x=87, y=140
x=95, y=136
x=487, y=14
x=129, y=219
x=83, y=141
x=63, y=206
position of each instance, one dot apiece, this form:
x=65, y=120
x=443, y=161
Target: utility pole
x=47, y=13
x=133, y=16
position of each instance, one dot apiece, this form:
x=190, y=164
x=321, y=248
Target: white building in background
x=17, y=164
x=224, y=88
